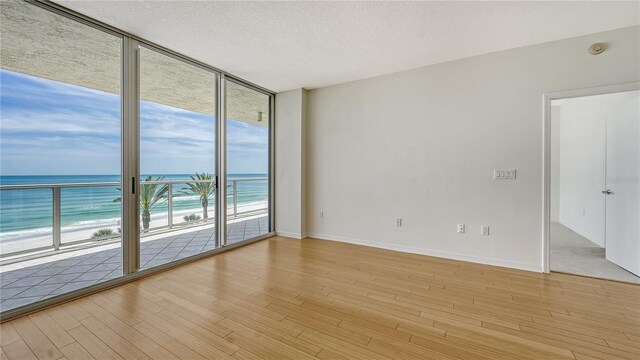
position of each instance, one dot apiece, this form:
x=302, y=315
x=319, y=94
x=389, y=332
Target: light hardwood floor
x=290, y=299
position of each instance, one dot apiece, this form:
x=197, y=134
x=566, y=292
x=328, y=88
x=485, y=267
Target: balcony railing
x=234, y=209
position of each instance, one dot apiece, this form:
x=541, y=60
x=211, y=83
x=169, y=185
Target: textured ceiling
x=285, y=45
x=44, y=44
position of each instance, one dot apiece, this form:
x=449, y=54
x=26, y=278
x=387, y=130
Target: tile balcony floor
x=32, y=280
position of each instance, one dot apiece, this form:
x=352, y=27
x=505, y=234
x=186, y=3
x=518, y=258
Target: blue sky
x=51, y=128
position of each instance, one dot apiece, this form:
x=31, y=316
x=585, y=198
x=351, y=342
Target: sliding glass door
x=60, y=155
x=113, y=159
x=247, y=162
x=177, y=189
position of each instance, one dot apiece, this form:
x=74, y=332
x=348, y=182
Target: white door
x=622, y=191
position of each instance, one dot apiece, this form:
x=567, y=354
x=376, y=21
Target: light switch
x=504, y=174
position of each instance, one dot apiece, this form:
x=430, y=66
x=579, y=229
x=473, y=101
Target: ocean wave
x=114, y=221
x=16, y=235
x=42, y=231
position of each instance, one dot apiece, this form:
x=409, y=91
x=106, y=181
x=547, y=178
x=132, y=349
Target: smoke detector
x=597, y=48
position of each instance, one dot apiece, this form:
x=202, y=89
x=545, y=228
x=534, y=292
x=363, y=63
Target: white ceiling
x=286, y=45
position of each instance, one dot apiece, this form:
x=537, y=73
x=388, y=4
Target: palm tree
x=150, y=196
x=203, y=190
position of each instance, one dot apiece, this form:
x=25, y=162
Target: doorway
x=593, y=185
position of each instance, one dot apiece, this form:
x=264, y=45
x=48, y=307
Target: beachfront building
x=319, y=180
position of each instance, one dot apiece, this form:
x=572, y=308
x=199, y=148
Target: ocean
x=25, y=213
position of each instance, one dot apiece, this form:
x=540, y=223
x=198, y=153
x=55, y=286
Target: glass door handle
x=607, y=192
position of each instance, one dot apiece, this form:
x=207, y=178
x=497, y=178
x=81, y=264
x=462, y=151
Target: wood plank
x=258, y=340
x=273, y=333
x=75, y=351
x=314, y=299
x=93, y=345
x=37, y=341
x=344, y=348
x=110, y=320
x=210, y=332
x=60, y=316
x=200, y=346
x=8, y=334
x=243, y=354
x=154, y=350
x=76, y=312
x=174, y=346
x=51, y=329
x=118, y=343
x=18, y=350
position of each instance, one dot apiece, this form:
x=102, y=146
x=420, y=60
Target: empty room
x=319, y=180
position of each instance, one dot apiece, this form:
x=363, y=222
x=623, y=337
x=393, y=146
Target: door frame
x=546, y=153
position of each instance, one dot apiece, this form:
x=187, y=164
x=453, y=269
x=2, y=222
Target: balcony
x=67, y=257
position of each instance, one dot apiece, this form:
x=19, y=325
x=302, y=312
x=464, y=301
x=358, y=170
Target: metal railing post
x=57, y=231
x=56, y=204
x=170, y=205
x=235, y=197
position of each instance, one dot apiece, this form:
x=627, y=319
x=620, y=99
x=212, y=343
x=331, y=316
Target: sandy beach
x=79, y=232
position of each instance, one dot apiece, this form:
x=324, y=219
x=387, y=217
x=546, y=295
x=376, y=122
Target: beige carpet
x=575, y=254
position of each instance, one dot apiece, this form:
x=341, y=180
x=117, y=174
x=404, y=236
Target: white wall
x=289, y=162
x=422, y=145
x=582, y=166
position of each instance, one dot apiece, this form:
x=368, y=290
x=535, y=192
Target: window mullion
x=130, y=156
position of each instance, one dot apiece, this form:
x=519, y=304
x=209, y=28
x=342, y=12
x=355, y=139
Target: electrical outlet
x=398, y=222
x=484, y=230
x=504, y=174
x=460, y=228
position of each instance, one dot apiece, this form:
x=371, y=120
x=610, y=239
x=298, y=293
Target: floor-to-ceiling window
x=177, y=158
x=247, y=162
x=60, y=157
x=111, y=151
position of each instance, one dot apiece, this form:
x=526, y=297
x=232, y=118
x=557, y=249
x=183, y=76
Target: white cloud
x=51, y=127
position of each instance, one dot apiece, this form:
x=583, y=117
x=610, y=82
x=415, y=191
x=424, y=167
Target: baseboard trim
x=594, y=277
x=435, y=253
x=291, y=234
